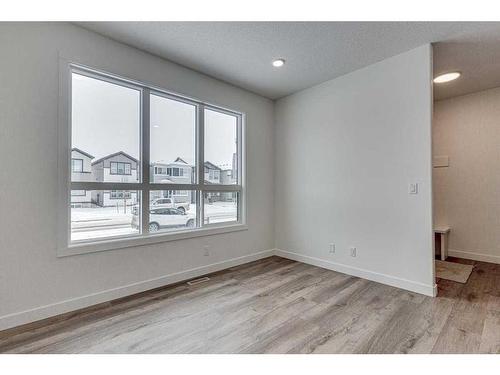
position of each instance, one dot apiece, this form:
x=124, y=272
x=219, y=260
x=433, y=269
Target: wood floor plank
x=350, y=319
x=413, y=328
x=276, y=305
x=490, y=338
x=464, y=327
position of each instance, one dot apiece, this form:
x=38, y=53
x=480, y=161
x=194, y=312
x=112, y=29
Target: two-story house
x=81, y=170
x=117, y=167
x=121, y=167
x=216, y=175
x=212, y=173
x=227, y=177
x=212, y=176
x=176, y=172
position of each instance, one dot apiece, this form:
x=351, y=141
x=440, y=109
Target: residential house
x=212, y=173
x=121, y=167
x=81, y=170
x=217, y=175
x=228, y=177
x=176, y=172
x=117, y=167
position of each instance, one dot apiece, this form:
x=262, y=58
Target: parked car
x=169, y=203
x=166, y=218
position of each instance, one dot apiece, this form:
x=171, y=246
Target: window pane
x=77, y=165
x=220, y=207
x=172, y=210
x=105, y=129
x=172, y=141
x=221, y=155
x=100, y=213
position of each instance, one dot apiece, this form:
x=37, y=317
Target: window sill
x=122, y=243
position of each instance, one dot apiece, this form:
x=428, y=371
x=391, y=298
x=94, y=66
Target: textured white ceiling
x=477, y=57
x=241, y=52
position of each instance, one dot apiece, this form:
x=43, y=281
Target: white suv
x=166, y=218
x=169, y=203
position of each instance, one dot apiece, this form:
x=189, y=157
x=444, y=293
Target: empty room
x=260, y=187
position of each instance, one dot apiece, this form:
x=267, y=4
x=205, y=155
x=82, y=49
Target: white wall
x=466, y=193
x=34, y=283
x=346, y=151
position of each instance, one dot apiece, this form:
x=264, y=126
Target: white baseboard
x=474, y=256
x=47, y=311
x=428, y=290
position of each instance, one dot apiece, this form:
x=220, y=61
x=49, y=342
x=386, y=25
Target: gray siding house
x=117, y=167
x=176, y=172
x=121, y=167
x=81, y=170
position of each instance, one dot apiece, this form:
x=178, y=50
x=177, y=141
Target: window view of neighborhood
x=106, y=147
x=220, y=154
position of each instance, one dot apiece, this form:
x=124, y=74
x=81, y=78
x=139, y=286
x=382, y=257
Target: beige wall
x=467, y=193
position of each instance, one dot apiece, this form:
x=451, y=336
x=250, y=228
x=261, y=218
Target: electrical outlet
x=332, y=248
x=206, y=251
x=413, y=188
x=353, y=251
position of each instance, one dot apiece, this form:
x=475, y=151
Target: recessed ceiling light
x=156, y=126
x=447, y=77
x=278, y=63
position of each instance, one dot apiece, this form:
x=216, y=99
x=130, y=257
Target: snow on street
x=89, y=223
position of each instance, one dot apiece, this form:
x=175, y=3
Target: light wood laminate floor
x=277, y=305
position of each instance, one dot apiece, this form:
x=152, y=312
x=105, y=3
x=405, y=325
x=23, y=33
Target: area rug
x=453, y=271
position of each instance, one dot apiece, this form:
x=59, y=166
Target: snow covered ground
x=219, y=212
x=90, y=223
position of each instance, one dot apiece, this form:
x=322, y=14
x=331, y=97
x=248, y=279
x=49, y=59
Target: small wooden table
x=443, y=232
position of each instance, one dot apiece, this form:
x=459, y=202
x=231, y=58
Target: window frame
x=143, y=187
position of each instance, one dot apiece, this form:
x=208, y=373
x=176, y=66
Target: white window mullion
x=84, y=185
x=240, y=154
x=200, y=136
x=145, y=128
x=222, y=188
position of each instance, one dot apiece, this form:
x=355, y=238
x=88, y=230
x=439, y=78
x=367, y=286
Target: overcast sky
x=106, y=118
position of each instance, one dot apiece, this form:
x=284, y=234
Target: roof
x=115, y=154
x=82, y=152
x=166, y=181
x=211, y=166
x=176, y=162
x=179, y=160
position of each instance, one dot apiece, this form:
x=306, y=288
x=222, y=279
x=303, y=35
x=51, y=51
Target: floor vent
x=198, y=281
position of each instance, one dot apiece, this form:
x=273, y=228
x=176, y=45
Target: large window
x=162, y=166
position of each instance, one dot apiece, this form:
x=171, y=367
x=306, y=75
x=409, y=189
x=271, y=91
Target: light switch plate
x=413, y=188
